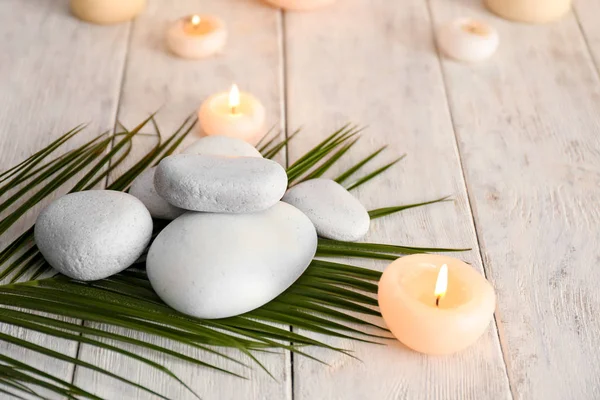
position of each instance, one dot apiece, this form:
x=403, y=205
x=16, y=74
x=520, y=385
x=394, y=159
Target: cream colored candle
x=435, y=304
x=531, y=11
x=300, y=5
x=107, y=11
x=197, y=36
x=233, y=114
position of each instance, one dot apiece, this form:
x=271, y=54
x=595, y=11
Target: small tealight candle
x=107, y=11
x=197, y=36
x=233, y=114
x=300, y=5
x=465, y=39
x=435, y=304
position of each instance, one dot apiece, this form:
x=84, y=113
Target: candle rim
x=244, y=98
x=460, y=22
x=203, y=17
x=217, y=24
x=474, y=302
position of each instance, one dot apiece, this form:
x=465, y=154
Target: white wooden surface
x=528, y=130
x=56, y=73
x=405, y=107
x=516, y=140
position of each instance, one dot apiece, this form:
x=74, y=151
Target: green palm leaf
x=330, y=298
x=382, y=212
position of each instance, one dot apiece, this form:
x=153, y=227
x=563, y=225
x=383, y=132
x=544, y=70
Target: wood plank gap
x=466, y=186
x=120, y=91
x=77, y=351
x=119, y=96
x=595, y=63
x=283, y=79
x=283, y=82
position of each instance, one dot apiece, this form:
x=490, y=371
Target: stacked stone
x=236, y=241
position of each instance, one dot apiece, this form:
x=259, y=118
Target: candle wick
x=234, y=110
x=437, y=301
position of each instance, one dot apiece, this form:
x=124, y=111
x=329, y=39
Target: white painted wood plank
x=374, y=63
x=587, y=13
x=155, y=78
x=55, y=73
x=528, y=127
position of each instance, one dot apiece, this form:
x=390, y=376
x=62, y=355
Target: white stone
x=143, y=189
x=219, y=145
x=220, y=184
x=93, y=234
x=469, y=40
x=221, y=265
x=332, y=209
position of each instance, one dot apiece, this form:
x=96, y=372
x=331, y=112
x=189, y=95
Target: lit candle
x=300, y=5
x=107, y=11
x=197, y=36
x=435, y=304
x=233, y=114
x=465, y=39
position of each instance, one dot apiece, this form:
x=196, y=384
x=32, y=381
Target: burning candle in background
x=435, y=304
x=197, y=36
x=235, y=114
x=300, y=5
x=107, y=11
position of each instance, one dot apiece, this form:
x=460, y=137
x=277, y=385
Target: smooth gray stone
x=218, y=145
x=332, y=209
x=221, y=265
x=93, y=234
x=220, y=184
x=143, y=189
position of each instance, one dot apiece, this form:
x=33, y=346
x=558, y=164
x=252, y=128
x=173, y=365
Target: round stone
x=218, y=145
x=221, y=265
x=93, y=234
x=335, y=213
x=220, y=184
x=143, y=189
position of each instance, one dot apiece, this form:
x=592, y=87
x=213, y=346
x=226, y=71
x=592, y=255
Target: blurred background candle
x=435, y=304
x=235, y=114
x=107, y=11
x=197, y=36
x=466, y=39
x=531, y=11
x=300, y=5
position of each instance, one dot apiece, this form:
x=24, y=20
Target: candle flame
x=476, y=28
x=234, y=98
x=195, y=20
x=441, y=284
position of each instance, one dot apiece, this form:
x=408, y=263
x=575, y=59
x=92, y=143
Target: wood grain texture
x=528, y=128
x=526, y=123
x=154, y=78
x=383, y=71
x=587, y=13
x=56, y=73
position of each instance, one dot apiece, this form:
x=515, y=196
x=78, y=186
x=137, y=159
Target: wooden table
x=515, y=140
